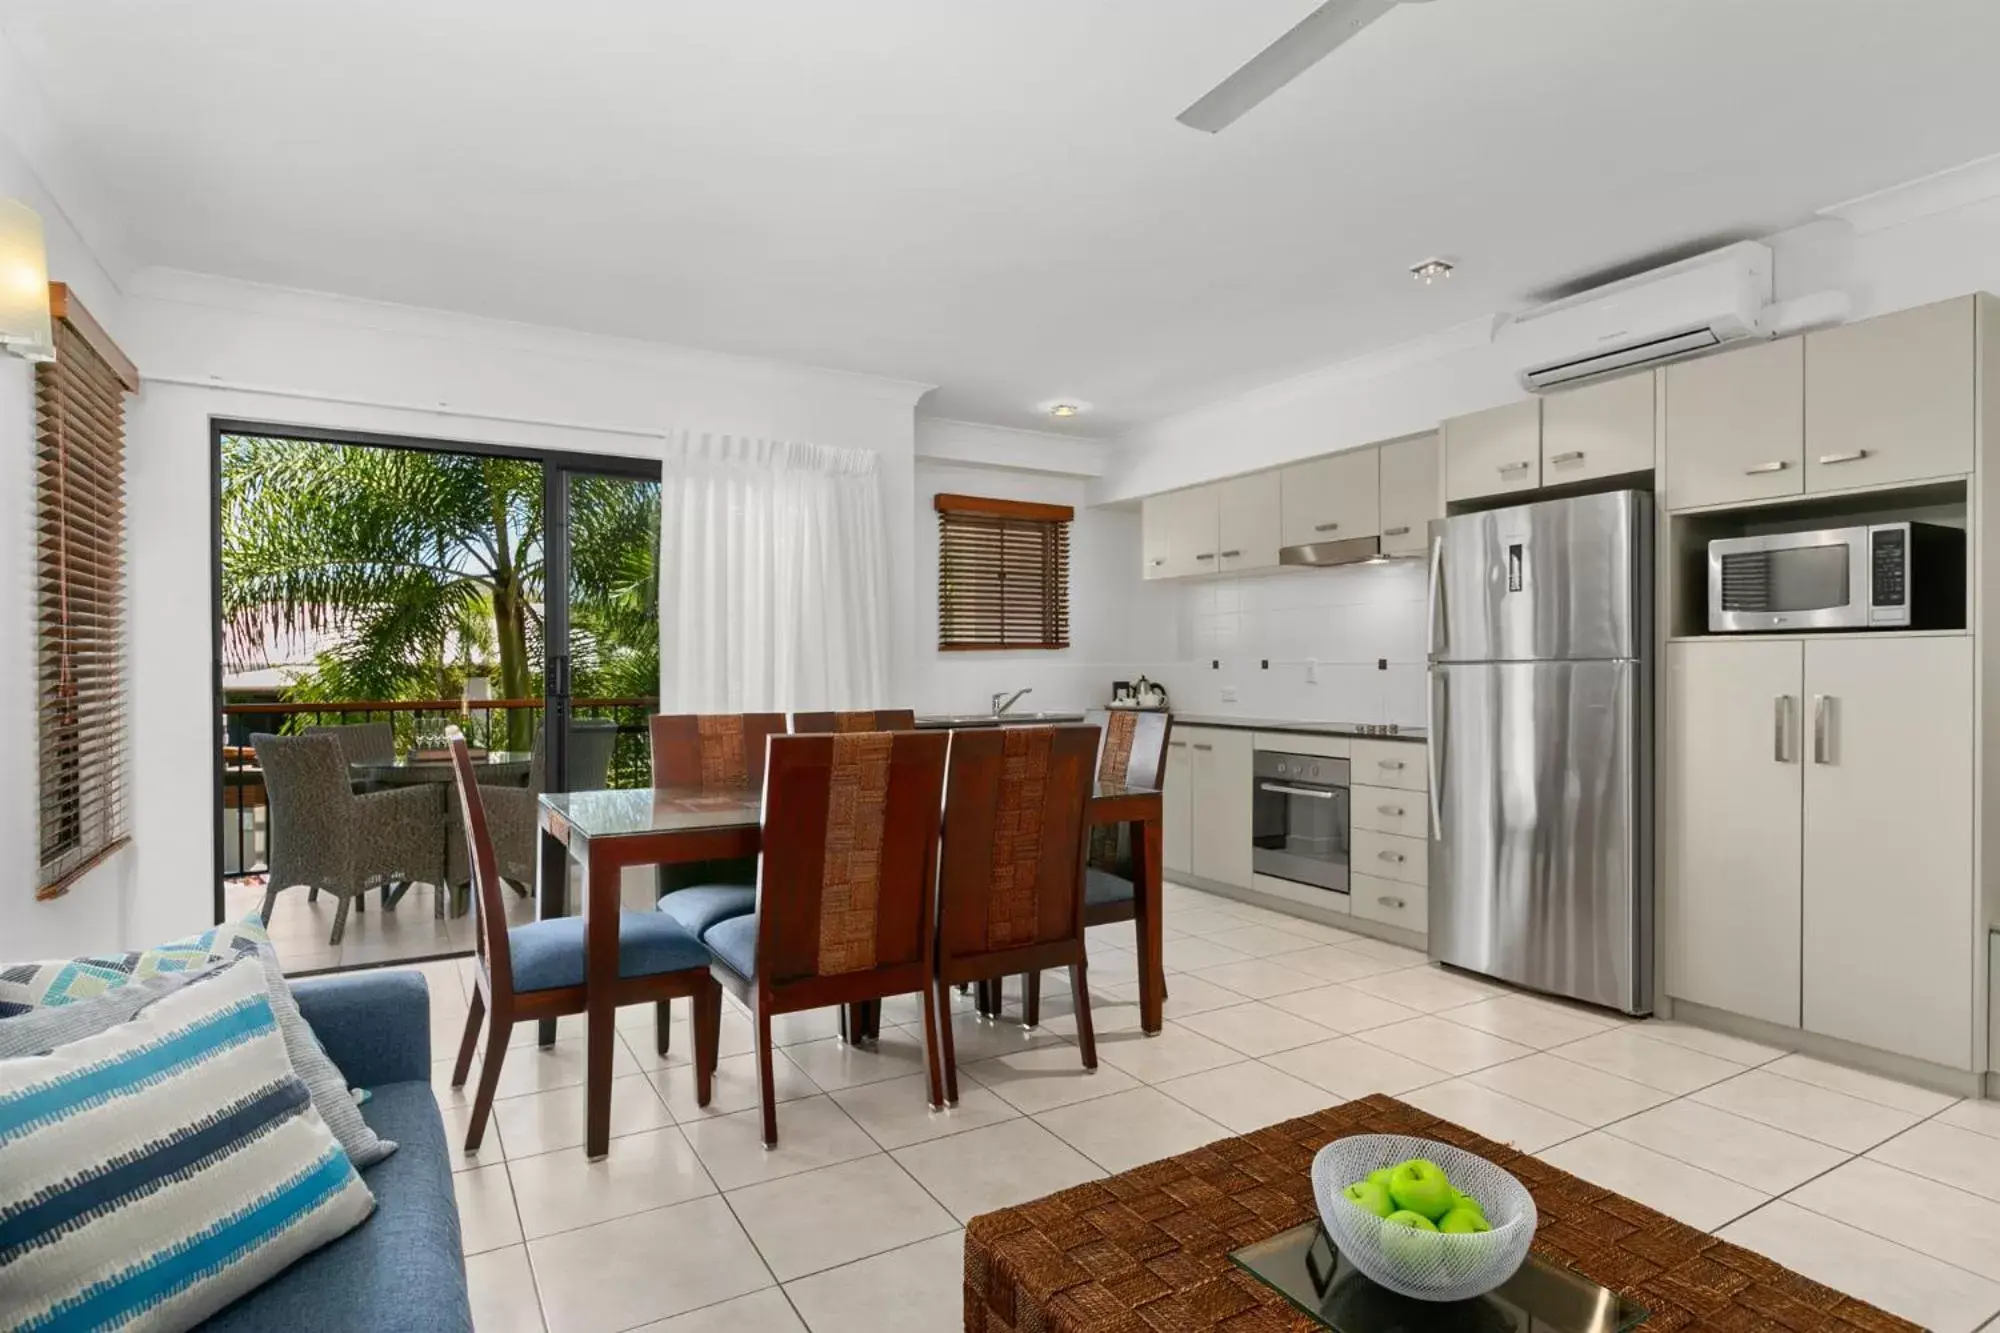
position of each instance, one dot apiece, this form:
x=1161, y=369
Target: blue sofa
x=403, y=1269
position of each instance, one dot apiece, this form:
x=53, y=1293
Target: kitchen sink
x=943, y=720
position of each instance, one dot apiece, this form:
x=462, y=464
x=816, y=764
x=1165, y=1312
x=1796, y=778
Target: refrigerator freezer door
x=1558, y=580
x=1541, y=860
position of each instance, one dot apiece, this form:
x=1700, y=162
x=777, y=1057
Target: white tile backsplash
x=1345, y=621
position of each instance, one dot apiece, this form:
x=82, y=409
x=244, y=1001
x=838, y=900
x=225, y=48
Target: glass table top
x=1303, y=1266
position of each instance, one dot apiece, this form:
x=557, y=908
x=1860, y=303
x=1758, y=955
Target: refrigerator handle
x=1433, y=744
x=1436, y=596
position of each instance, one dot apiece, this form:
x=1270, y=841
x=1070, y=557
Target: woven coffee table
x=1147, y=1251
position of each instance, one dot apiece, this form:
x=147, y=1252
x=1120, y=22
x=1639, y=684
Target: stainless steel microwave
x=1883, y=576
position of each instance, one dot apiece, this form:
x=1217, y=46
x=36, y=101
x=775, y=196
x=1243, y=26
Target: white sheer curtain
x=774, y=577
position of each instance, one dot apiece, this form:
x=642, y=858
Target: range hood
x=1347, y=551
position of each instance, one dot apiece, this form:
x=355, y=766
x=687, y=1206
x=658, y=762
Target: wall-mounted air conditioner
x=1677, y=311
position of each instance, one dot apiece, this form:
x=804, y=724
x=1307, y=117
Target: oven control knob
x=1283, y=770
x=1315, y=771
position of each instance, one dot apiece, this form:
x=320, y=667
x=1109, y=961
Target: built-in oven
x=1299, y=819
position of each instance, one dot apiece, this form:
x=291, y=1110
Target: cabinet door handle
x=1394, y=765
x=1775, y=465
x=1393, y=811
x=1514, y=467
x=1397, y=903
x=1781, y=723
x=1231, y=555
x=1572, y=456
x=1156, y=563
x=1394, y=858
x=1209, y=555
x=1822, y=746
x=1177, y=745
x=1402, y=530
x=1325, y=527
x=1199, y=746
x=1851, y=456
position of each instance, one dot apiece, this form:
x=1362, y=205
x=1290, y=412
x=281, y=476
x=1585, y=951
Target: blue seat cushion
x=702, y=906
x=1101, y=887
x=549, y=954
x=734, y=944
x=398, y=1272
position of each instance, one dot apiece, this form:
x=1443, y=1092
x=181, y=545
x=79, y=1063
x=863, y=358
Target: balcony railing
x=486, y=723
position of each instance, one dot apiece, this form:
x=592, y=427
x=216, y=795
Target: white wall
x=1119, y=625
x=93, y=912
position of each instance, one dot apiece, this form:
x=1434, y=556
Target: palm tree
x=398, y=552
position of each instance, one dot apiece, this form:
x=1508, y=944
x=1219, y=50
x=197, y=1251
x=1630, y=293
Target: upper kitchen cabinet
x=1600, y=430
x=1409, y=478
x=1250, y=513
x=1331, y=499
x=1891, y=399
x=1495, y=452
x=1736, y=426
x=1178, y=534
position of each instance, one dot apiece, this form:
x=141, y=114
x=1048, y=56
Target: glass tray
x=1303, y=1266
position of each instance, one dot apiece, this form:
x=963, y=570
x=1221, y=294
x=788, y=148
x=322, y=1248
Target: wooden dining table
x=606, y=831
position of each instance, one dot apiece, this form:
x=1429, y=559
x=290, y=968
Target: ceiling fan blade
x=1309, y=42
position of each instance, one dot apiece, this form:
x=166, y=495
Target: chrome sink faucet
x=1004, y=701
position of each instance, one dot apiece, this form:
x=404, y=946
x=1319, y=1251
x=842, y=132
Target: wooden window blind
x=1003, y=574
x=80, y=595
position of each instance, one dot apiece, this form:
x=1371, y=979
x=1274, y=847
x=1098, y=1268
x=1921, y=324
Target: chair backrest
x=312, y=804
x=1010, y=872
x=591, y=741
x=490, y=930
x=1135, y=745
x=845, y=882
x=711, y=749
x=866, y=719
x=361, y=742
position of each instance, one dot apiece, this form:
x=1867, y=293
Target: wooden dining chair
x=536, y=971
x=846, y=885
x=1010, y=866
x=1133, y=751
x=866, y=719
x=710, y=750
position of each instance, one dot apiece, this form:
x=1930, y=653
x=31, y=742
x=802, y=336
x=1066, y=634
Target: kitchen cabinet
x=1219, y=791
x=1249, y=514
x=1389, y=901
x=1156, y=555
x=1389, y=810
x=1736, y=426
x=1398, y=764
x=1332, y=499
x=1495, y=452
x=1891, y=399
x=1600, y=430
x=1889, y=902
x=1732, y=765
x=1391, y=856
x=1409, y=494
x=1177, y=809
x=1178, y=533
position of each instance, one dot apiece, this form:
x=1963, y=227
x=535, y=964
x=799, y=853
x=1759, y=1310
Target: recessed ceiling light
x=1064, y=408
x=1431, y=270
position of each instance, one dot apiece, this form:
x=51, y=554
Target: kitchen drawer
x=1391, y=856
x=1390, y=764
x=1391, y=903
x=1391, y=810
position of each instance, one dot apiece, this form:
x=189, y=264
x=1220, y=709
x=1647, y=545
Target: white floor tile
x=1629, y=1053
x=1202, y=920
x=812, y=1133
x=1528, y=1020
x=527, y=1069
x=1047, y=1077
x=833, y=1063
x=1709, y=1042
x=1193, y=952
x=1757, y=1155
x=1383, y=951
x=1173, y=1052
x=1868, y=1087
x=502, y=1286
x=563, y=1190
x=1426, y=988
x=1331, y=963
x=808, y=1025
x=1318, y=932
x=486, y=1216
x=1686, y=1193
x=1899, y=1280
x=766, y=1311
x=1185, y=995
x=735, y=1086
x=1131, y=1128
x=1569, y=1090
x=975, y=1038
x=1350, y=1067
x=1258, y=978
x=821, y=1219
x=1499, y=1117
x=1343, y=1008
x=1981, y=1117
x=1444, y=1045
x=547, y=1121
x=996, y=1167
x=1261, y=941
x=626, y=1272
x=457, y=1113
x=1949, y=1224
x=1248, y=1096
x=1256, y=1028
x=898, y=1113
x=916, y=1289
x=1947, y=1154
x=1833, y=1118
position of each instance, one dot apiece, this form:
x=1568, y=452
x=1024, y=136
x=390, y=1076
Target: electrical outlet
x=1229, y=694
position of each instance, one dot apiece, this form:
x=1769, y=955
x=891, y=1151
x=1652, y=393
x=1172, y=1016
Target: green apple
x=1410, y=1239
x=1460, y=1199
x=1463, y=1222
x=1367, y=1194
x=1381, y=1177
x=1419, y=1185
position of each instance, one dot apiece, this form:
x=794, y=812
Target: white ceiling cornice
x=1927, y=196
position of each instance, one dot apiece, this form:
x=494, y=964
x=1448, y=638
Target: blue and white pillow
x=152, y=1174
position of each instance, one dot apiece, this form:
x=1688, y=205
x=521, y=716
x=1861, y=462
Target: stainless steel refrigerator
x=1541, y=706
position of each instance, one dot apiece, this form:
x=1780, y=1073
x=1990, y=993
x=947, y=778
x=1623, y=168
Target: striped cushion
x=153, y=1173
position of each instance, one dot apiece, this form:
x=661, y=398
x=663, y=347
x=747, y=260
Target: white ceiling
x=991, y=195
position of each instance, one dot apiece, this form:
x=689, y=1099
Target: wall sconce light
x=24, y=284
